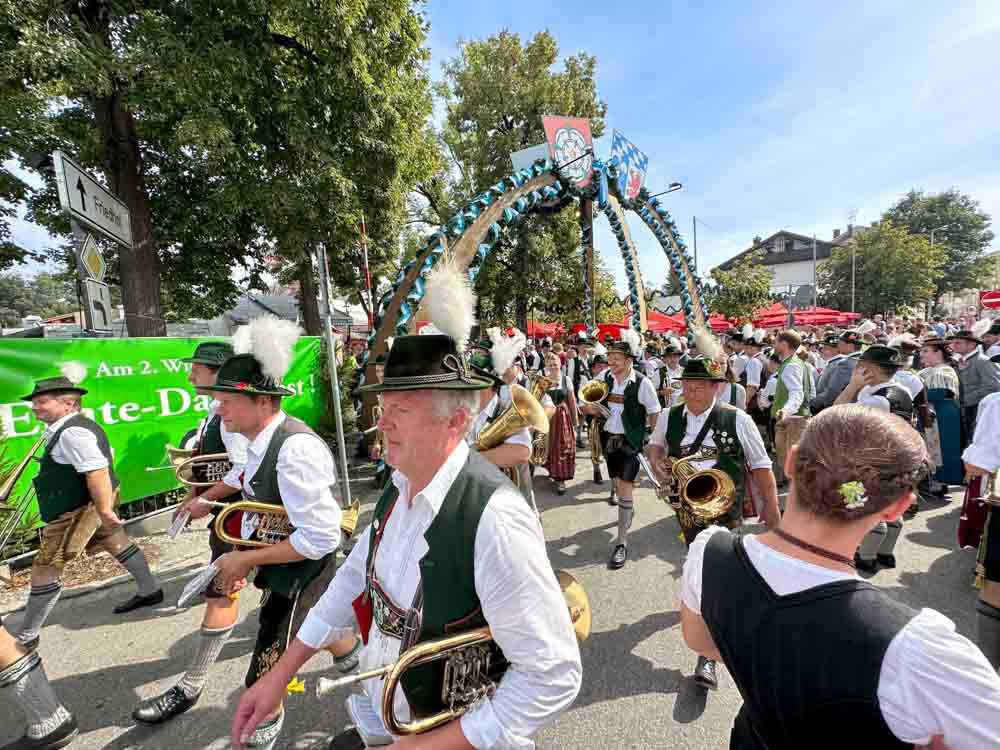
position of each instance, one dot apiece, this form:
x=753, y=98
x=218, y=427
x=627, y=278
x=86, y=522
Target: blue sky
x=773, y=115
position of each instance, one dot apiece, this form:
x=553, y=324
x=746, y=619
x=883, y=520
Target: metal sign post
x=331, y=353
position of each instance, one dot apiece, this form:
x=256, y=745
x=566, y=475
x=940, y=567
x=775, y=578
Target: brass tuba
x=473, y=666
x=524, y=411
x=703, y=497
x=540, y=440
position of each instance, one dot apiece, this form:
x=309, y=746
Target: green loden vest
x=634, y=413
x=781, y=392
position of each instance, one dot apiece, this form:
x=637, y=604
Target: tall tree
x=892, y=269
x=959, y=226
x=739, y=292
x=233, y=131
x=495, y=93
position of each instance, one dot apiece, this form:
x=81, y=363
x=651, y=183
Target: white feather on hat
x=904, y=338
x=505, y=348
x=866, y=326
x=600, y=349
x=450, y=301
x=270, y=340
x=634, y=341
x=747, y=331
x=74, y=372
x=981, y=326
x=707, y=344
x=759, y=335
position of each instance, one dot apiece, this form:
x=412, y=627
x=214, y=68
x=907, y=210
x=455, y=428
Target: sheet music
x=178, y=525
x=196, y=585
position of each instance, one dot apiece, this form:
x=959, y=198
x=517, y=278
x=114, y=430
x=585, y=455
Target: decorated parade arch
x=572, y=173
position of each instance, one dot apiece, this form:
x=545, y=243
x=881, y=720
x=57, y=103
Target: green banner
x=138, y=391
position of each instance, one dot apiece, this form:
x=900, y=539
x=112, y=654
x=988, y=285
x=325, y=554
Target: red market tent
x=537, y=330
x=659, y=322
x=776, y=316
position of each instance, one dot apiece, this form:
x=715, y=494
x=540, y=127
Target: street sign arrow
x=83, y=193
x=87, y=201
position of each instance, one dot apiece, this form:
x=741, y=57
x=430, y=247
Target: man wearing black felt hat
x=978, y=376
x=77, y=491
x=452, y=546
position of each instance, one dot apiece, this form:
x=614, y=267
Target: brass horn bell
x=524, y=411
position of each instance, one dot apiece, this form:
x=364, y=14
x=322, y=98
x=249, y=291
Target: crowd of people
x=859, y=427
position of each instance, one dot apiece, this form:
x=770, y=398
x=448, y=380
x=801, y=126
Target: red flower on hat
x=244, y=387
x=714, y=368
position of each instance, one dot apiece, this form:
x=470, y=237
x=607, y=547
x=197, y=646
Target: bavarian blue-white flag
x=631, y=164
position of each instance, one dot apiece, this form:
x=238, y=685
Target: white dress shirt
x=747, y=433
x=738, y=363
x=520, y=598
x=651, y=366
x=869, y=397
x=673, y=378
x=733, y=394
x=521, y=437
x=910, y=381
x=933, y=681
x=236, y=446
x=766, y=394
x=76, y=446
x=615, y=425
x=306, y=476
x=792, y=378
x=993, y=351
x=755, y=372
x=984, y=450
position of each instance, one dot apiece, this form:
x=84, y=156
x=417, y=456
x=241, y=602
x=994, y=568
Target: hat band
x=458, y=369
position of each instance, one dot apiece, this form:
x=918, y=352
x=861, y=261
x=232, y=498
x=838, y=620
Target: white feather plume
x=759, y=335
x=904, y=338
x=632, y=338
x=74, y=372
x=866, y=326
x=600, y=349
x=707, y=344
x=981, y=326
x=430, y=330
x=450, y=301
x=270, y=339
x=389, y=342
x=505, y=348
x=747, y=331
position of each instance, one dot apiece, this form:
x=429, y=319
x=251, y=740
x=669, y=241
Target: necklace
x=796, y=542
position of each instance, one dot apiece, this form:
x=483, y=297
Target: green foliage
x=495, y=93
x=894, y=269
x=742, y=290
x=45, y=295
x=965, y=235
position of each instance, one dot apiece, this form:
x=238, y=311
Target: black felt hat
x=431, y=362
x=883, y=356
x=211, y=353
x=599, y=359
x=832, y=340
x=242, y=374
x=670, y=348
x=60, y=384
x=703, y=368
x=851, y=337
x=966, y=335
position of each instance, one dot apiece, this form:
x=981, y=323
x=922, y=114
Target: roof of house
x=252, y=305
x=823, y=250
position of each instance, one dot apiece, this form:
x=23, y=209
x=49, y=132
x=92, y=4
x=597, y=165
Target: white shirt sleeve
x=875, y=401
x=691, y=577
x=936, y=682
x=792, y=378
x=753, y=373
x=527, y=615
x=79, y=446
x=984, y=451
x=236, y=447
x=648, y=398
x=765, y=396
x=332, y=617
x=753, y=445
x=659, y=436
x=741, y=397
x=547, y=401
x=305, y=477
x=521, y=437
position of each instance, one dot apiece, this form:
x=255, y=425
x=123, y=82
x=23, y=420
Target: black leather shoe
x=348, y=740
x=61, y=736
x=598, y=479
x=618, y=557
x=560, y=488
x=140, y=601
x=164, y=707
x=886, y=561
x=704, y=674
x=31, y=645
x=866, y=566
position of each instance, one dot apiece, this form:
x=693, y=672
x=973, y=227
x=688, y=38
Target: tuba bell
x=524, y=411
x=540, y=385
x=592, y=393
x=701, y=497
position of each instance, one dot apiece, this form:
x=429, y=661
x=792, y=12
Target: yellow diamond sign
x=92, y=260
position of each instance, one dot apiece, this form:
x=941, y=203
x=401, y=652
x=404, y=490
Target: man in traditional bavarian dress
x=77, y=491
x=719, y=436
x=837, y=373
x=790, y=406
x=668, y=377
x=23, y=681
x=631, y=405
x=577, y=373
x=452, y=546
x=289, y=466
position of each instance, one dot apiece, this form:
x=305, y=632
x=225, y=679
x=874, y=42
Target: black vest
x=211, y=438
x=59, y=487
x=806, y=664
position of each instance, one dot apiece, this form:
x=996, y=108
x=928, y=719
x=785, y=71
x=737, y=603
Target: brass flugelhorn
x=592, y=393
x=524, y=411
x=263, y=524
x=203, y=470
x=473, y=666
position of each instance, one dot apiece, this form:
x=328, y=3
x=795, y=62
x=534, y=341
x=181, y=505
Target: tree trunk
x=139, y=267
x=521, y=300
x=309, y=298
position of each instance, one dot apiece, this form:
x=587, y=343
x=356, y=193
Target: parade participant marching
x=753, y=372
x=944, y=431
x=667, y=379
x=790, y=405
x=288, y=466
x=577, y=373
x=837, y=372
x=730, y=392
x=982, y=459
x=978, y=376
x=712, y=435
x=561, y=460
x=738, y=360
x=452, y=547
x=632, y=404
x=823, y=659
x=598, y=365
x=873, y=384
x=77, y=491
x=23, y=681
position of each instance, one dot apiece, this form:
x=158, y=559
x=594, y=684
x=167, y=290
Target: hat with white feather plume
x=262, y=355
x=859, y=334
x=974, y=334
x=435, y=359
x=629, y=343
x=73, y=373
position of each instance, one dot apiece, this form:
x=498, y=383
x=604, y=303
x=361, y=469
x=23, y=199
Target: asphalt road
x=637, y=691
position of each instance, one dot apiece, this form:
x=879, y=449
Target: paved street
x=637, y=691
